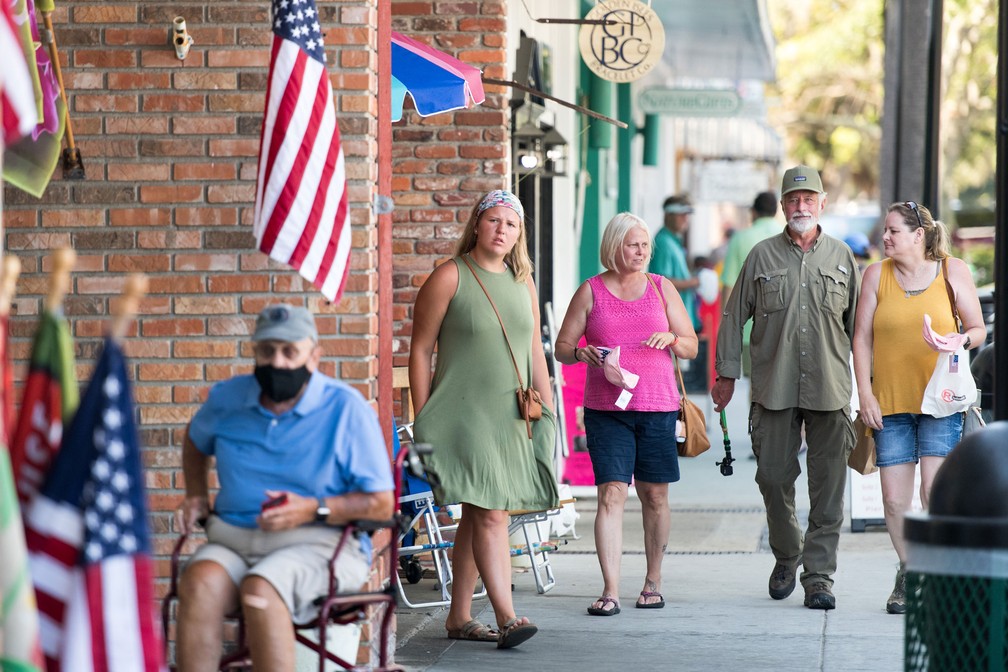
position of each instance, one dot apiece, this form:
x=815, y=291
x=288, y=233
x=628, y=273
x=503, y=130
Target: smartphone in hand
x=274, y=501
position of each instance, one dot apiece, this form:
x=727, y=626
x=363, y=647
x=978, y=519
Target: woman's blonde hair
x=612, y=238
x=937, y=243
x=518, y=258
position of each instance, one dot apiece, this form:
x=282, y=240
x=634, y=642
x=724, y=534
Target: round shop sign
x=627, y=46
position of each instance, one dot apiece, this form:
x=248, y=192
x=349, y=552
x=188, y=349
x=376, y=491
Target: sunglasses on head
x=913, y=206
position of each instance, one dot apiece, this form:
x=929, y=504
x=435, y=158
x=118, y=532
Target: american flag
x=302, y=217
x=88, y=539
x=17, y=94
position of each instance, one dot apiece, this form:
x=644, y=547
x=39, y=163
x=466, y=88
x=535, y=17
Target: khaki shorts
x=295, y=562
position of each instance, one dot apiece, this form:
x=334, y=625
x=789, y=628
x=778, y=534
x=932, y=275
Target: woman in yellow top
x=893, y=362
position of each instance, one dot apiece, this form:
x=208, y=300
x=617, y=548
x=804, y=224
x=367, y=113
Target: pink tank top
x=628, y=324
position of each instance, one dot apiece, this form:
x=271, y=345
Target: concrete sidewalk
x=718, y=614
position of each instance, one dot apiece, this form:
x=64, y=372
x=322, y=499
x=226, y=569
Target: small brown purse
x=529, y=400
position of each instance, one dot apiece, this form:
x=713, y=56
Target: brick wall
x=444, y=163
x=170, y=150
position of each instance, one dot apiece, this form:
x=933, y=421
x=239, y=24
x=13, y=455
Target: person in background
x=800, y=288
x=297, y=454
x=764, y=225
x=669, y=258
x=893, y=362
x=467, y=410
x=630, y=320
x=861, y=247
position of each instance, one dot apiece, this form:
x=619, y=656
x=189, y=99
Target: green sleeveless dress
x=482, y=452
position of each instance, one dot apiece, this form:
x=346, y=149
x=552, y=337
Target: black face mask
x=281, y=384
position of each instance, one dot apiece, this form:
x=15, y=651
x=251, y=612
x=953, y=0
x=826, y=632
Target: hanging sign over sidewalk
x=627, y=46
x=690, y=102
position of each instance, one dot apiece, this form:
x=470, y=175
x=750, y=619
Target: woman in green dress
x=467, y=409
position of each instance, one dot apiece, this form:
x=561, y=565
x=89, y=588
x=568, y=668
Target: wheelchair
x=334, y=608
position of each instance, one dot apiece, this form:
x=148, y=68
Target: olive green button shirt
x=802, y=305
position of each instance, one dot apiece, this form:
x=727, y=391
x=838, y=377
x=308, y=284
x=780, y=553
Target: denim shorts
x=632, y=444
x=907, y=437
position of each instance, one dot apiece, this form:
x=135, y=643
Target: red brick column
x=444, y=163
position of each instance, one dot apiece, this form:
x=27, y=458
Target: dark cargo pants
x=776, y=439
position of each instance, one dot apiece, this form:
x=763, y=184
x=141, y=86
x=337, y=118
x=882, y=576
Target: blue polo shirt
x=330, y=443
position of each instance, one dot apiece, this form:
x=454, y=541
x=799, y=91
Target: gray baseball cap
x=284, y=322
x=803, y=178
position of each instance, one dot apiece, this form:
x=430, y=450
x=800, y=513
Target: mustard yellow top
x=902, y=362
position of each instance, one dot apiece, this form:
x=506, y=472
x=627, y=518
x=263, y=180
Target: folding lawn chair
x=417, y=506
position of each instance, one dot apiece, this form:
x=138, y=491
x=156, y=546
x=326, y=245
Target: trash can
x=957, y=562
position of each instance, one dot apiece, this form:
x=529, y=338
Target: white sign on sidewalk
x=866, y=506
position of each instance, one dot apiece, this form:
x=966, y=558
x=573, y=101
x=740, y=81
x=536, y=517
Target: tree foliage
x=830, y=60
x=829, y=84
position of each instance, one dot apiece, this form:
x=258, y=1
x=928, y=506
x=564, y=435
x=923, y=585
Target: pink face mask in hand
x=949, y=343
x=617, y=375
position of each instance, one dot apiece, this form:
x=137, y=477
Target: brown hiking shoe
x=896, y=604
x=782, y=579
x=819, y=595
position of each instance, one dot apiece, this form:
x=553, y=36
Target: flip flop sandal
x=512, y=634
x=474, y=631
x=602, y=611
x=650, y=605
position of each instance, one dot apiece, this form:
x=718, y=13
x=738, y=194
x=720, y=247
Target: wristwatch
x=322, y=512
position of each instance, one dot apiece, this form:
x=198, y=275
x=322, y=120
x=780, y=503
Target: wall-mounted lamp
x=527, y=146
x=180, y=37
x=555, y=150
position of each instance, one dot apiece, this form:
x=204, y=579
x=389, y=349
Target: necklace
x=910, y=281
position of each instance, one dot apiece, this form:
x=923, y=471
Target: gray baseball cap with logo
x=803, y=178
x=284, y=322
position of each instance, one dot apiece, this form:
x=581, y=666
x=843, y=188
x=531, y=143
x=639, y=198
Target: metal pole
x=931, y=193
x=1000, y=223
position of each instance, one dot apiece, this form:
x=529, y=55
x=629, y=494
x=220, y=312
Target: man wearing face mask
x=800, y=288
x=297, y=455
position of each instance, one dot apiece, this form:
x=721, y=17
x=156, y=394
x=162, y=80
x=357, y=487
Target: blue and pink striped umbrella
x=436, y=81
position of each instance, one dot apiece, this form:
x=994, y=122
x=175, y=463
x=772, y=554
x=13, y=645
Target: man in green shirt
x=765, y=224
x=800, y=288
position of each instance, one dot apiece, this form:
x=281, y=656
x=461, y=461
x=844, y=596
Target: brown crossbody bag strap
x=951, y=295
x=526, y=414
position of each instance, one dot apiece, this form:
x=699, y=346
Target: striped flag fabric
x=302, y=214
x=48, y=402
x=17, y=93
x=89, y=541
x=19, y=624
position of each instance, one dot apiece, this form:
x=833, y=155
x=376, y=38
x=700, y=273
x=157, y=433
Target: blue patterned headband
x=501, y=197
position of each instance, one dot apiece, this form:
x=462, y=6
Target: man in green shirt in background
x=765, y=224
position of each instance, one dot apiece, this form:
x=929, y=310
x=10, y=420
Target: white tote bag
x=951, y=388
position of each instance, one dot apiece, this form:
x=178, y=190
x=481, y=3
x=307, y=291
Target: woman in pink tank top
x=631, y=320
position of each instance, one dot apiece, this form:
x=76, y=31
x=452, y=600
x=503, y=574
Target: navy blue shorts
x=638, y=444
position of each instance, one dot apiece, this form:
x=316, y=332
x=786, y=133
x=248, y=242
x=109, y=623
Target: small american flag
x=17, y=94
x=302, y=217
x=88, y=539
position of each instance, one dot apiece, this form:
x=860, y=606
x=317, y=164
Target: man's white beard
x=801, y=225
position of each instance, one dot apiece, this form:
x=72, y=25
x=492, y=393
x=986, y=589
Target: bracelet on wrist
x=576, y=358
x=674, y=340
